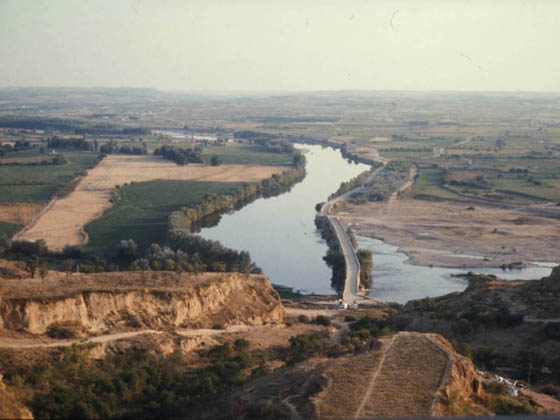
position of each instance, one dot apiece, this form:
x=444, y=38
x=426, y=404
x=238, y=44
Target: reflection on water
x=280, y=233
x=395, y=281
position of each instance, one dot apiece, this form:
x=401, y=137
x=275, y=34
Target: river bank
x=455, y=235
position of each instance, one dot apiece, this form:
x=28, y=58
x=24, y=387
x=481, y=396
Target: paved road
x=351, y=284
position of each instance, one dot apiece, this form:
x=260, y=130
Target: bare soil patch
x=63, y=223
x=449, y=233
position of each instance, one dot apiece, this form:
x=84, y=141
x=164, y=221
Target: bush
x=496, y=388
x=241, y=344
x=506, y=406
x=462, y=348
x=550, y=389
x=349, y=318
x=72, y=252
x=322, y=320
x=304, y=319
x=304, y=346
x=37, y=248
x=551, y=331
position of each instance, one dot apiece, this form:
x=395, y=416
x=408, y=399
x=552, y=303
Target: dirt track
x=63, y=222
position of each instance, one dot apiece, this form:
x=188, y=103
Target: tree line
x=112, y=147
x=181, y=156
x=70, y=125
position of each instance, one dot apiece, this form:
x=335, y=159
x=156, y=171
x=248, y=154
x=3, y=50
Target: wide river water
x=281, y=236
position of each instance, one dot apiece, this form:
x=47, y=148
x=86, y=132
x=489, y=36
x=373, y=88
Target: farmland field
x=143, y=210
x=8, y=229
x=37, y=184
x=63, y=223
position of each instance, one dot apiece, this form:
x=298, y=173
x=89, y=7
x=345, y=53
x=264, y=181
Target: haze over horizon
x=282, y=46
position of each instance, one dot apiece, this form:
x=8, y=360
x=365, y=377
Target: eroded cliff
x=106, y=301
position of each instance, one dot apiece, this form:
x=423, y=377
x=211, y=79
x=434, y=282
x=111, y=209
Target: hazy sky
x=282, y=45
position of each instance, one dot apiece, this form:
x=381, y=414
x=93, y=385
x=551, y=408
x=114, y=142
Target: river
x=280, y=232
x=281, y=236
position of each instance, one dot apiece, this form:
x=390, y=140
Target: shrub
x=550, y=389
x=241, y=344
x=322, y=320
x=505, y=406
x=551, y=330
x=496, y=388
x=303, y=319
x=349, y=318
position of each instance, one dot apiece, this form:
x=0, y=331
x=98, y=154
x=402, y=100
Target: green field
x=8, y=229
x=143, y=210
x=39, y=183
x=246, y=155
x=430, y=184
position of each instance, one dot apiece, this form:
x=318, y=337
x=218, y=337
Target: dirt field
x=19, y=213
x=447, y=234
x=64, y=220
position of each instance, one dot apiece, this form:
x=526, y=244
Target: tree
x=365, y=258
x=68, y=266
x=43, y=271
x=178, y=271
x=215, y=161
x=31, y=266
x=530, y=362
x=127, y=249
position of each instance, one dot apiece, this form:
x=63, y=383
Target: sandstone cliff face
x=226, y=300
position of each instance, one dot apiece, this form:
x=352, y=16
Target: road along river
x=281, y=236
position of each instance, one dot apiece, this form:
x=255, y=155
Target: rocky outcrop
x=461, y=391
x=10, y=408
x=223, y=300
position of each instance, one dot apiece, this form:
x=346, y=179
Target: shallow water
x=395, y=281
